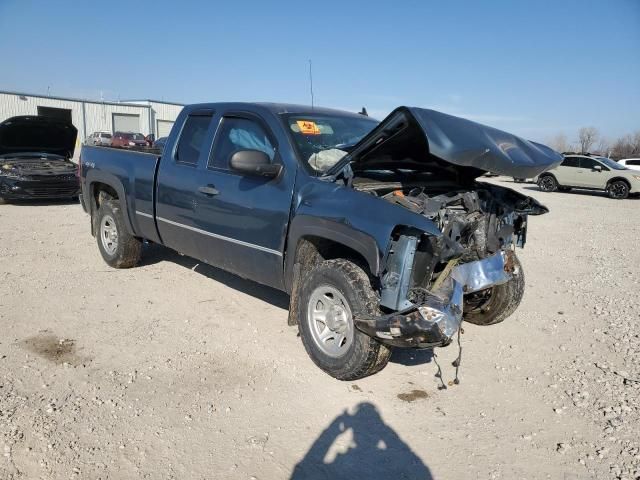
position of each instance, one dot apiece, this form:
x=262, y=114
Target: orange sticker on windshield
x=308, y=128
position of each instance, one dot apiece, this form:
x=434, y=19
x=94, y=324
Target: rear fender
x=95, y=177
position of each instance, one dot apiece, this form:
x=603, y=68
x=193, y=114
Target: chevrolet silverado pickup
x=380, y=232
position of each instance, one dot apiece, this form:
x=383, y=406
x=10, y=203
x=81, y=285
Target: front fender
x=358, y=220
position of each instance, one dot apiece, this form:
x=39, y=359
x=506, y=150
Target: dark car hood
x=421, y=139
x=37, y=134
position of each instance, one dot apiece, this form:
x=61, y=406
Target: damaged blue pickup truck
x=381, y=232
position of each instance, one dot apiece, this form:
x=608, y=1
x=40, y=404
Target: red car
x=128, y=139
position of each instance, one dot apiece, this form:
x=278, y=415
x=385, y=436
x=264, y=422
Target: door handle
x=208, y=190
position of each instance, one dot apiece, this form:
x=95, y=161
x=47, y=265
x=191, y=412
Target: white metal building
x=88, y=116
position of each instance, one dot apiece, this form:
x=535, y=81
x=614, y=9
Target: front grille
x=50, y=189
x=66, y=177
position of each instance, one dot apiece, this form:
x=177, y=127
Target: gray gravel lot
x=177, y=370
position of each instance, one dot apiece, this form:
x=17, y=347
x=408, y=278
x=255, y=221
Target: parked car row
x=592, y=172
x=121, y=140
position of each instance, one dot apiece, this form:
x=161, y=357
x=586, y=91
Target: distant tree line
x=590, y=140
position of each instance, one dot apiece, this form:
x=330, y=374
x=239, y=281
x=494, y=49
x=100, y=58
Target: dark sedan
x=35, y=160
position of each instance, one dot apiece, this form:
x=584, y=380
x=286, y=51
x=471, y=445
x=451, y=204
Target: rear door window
x=192, y=139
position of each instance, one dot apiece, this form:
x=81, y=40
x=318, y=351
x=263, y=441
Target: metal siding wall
x=12, y=105
x=98, y=116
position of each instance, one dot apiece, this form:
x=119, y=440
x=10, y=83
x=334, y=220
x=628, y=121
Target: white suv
x=99, y=138
x=631, y=163
x=593, y=173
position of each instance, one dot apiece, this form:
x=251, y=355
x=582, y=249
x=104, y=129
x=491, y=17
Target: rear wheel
x=548, y=183
x=118, y=247
x=618, y=189
x=495, y=304
x=330, y=295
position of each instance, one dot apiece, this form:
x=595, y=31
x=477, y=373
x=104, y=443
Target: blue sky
x=535, y=68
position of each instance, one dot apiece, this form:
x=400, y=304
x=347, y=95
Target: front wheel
x=118, y=247
x=548, y=183
x=330, y=295
x=618, y=190
x=495, y=304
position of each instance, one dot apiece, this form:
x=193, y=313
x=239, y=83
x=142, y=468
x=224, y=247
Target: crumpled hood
x=417, y=138
x=37, y=134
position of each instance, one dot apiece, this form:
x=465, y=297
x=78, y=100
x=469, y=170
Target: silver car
x=99, y=138
x=592, y=173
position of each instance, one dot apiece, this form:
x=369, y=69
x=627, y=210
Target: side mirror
x=597, y=168
x=254, y=162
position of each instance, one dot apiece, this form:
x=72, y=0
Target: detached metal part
x=435, y=321
x=482, y=274
x=395, y=283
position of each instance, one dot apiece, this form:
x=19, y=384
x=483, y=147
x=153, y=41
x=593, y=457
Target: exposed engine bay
x=478, y=220
x=35, y=164
x=441, y=279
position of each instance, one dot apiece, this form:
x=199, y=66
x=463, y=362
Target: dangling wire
x=439, y=374
x=457, y=361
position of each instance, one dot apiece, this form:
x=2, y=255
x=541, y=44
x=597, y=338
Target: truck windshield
x=322, y=140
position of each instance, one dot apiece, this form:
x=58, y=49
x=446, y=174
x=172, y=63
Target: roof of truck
x=278, y=108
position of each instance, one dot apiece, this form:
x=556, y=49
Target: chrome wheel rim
x=109, y=234
x=330, y=321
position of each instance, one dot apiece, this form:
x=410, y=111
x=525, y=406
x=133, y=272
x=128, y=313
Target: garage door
x=60, y=113
x=164, y=127
x=124, y=122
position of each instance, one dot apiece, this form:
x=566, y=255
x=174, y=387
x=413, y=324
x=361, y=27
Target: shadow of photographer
x=360, y=445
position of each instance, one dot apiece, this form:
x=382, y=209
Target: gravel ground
x=176, y=370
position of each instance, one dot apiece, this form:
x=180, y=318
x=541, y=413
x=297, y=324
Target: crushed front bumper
x=435, y=320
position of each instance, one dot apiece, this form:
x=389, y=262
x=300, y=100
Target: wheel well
x=311, y=251
x=618, y=179
x=101, y=192
x=547, y=174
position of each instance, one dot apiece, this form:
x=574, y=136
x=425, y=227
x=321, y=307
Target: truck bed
x=135, y=171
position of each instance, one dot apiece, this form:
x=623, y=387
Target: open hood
x=38, y=135
x=426, y=140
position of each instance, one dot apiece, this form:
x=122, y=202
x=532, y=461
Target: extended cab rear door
x=178, y=180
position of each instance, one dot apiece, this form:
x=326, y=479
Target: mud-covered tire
x=618, y=190
x=128, y=249
x=548, y=183
x=502, y=300
x=365, y=356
